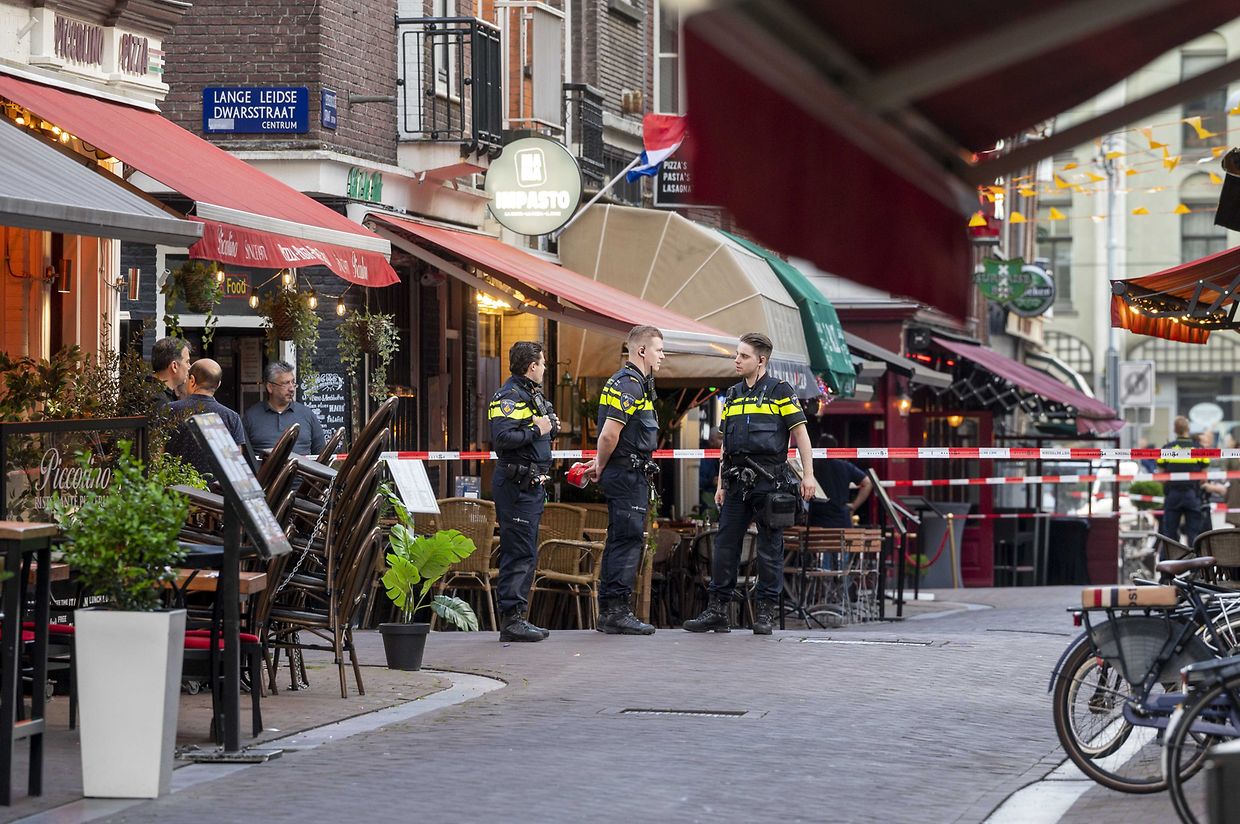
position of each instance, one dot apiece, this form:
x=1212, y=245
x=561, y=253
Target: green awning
x=828, y=353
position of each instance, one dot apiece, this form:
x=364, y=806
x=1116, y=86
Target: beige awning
x=667, y=260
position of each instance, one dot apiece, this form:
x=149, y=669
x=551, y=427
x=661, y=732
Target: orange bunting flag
x=1202, y=131
x=1097, y=218
x=1149, y=135
x=1017, y=217
x=977, y=220
x=1131, y=172
x=1218, y=151
x=1113, y=155
x=1215, y=179
x=1027, y=191
x=1094, y=177
x=1140, y=210
x=1171, y=162
x=1181, y=210
x=1055, y=214
x=1067, y=167
x=1060, y=183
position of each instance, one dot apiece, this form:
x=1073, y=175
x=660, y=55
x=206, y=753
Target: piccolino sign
x=534, y=185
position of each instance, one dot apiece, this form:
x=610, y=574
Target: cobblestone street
x=936, y=719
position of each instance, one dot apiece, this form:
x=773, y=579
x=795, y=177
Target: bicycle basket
x=1134, y=643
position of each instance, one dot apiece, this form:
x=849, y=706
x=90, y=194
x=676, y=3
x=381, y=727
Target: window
x=668, y=82
x=1055, y=244
x=1071, y=350
x=615, y=161
x=1210, y=107
x=1199, y=236
x=445, y=50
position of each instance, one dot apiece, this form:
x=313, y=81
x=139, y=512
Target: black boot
x=764, y=618
x=514, y=627
x=715, y=617
x=620, y=620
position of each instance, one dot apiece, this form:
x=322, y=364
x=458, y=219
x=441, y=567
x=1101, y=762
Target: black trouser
x=628, y=496
x=1183, y=503
x=518, y=512
x=737, y=513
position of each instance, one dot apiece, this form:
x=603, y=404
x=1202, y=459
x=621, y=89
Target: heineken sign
x=1025, y=288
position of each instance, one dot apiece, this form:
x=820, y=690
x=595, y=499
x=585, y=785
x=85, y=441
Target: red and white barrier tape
x=878, y=454
x=1215, y=475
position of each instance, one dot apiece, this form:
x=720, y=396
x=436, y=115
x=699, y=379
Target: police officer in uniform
x=759, y=415
x=628, y=434
x=1182, y=499
x=522, y=426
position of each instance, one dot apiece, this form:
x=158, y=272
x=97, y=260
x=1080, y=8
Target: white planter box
x=129, y=689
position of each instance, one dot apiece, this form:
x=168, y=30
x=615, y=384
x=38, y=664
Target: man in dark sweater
x=204, y=378
x=835, y=476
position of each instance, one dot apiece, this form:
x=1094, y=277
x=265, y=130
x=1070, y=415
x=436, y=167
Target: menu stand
x=18, y=539
x=895, y=520
x=245, y=507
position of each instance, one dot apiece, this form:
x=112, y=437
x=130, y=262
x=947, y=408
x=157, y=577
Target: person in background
x=1147, y=464
x=708, y=477
x=266, y=420
x=835, y=477
x=204, y=378
x=628, y=432
x=1182, y=499
x=523, y=425
x=170, y=366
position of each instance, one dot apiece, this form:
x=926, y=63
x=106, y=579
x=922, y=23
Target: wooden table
x=207, y=580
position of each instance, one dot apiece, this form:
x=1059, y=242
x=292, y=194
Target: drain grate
x=688, y=713
x=899, y=642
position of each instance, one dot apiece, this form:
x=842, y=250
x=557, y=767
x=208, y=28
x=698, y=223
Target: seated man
x=204, y=378
x=266, y=421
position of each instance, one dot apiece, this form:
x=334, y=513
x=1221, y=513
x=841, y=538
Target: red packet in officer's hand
x=576, y=474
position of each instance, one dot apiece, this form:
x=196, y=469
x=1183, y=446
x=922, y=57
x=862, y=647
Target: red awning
x=232, y=196
x=562, y=293
x=1091, y=415
x=851, y=133
x=1204, y=290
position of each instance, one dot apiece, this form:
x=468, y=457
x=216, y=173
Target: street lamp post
x=1112, y=267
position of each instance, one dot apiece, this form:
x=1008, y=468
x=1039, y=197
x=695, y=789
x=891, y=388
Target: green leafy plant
x=363, y=333
x=172, y=471
x=198, y=286
x=122, y=541
x=1151, y=488
x=417, y=562
x=290, y=315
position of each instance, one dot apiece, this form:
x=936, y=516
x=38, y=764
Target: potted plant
x=1152, y=489
x=415, y=563
x=198, y=285
x=122, y=542
x=290, y=316
x=363, y=333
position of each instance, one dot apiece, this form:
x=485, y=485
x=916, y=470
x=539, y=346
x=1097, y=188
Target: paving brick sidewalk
x=943, y=730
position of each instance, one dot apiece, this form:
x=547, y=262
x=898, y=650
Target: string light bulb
x=219, y=276
x=56, y=130
x=340, y=307
x=253, y=301
x=288, y=277
x=64, y=137
x=314, y=300
x=21, y=120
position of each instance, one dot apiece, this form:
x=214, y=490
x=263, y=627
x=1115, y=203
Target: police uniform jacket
x=514, y=437
x=628, y=397
x=758, y=420
x=1186, y=463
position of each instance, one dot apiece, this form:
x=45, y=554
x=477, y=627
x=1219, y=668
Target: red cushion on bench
x=53, y=629
x=194, y=640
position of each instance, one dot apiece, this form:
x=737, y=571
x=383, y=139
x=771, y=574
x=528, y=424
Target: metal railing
x=449, y=75
x=583, y=106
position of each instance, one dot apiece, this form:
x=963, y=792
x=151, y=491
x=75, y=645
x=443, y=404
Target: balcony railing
x=583, y=106
x=449, y=78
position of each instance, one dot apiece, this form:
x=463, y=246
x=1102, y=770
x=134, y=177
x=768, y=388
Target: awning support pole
x=594, y=199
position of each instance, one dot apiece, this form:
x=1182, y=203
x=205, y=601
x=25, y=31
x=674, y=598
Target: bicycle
x=1115, y=687
x=1209, y=715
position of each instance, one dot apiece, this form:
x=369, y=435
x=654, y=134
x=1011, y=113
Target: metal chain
x=314, y=533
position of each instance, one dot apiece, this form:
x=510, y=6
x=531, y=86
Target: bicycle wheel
x=1089, y=697
x=1194, y=728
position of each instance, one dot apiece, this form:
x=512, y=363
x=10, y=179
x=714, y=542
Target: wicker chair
x=475, y=519
x=1224, y=545
x=564, y=522
x=568, y=568
x=596, y=515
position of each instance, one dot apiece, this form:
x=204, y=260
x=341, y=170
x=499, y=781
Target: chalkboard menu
x=239, y=485
x=330, y=401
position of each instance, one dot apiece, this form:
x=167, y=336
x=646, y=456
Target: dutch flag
x=662, y=134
